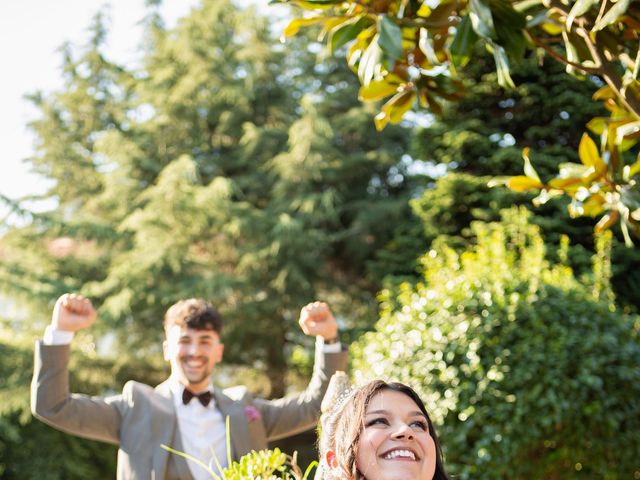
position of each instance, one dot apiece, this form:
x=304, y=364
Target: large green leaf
x=346, y=32
x=442, y=13
x=512, y=40
x=502, y=67
x=579, y=8
x=481, y=19
x=390, y=39
x=463, y=42
x=504, y=13
x=614, y=13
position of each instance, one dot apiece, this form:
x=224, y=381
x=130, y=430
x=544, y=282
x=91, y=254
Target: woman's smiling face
x=395, y=443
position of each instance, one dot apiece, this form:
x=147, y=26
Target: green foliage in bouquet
x=261, y=465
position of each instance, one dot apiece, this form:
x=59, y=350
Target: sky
x=31, y=32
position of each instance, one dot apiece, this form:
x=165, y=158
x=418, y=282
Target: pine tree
x=223, y=167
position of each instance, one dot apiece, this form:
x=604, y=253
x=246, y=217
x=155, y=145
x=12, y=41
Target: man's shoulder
x=137, y=396
x=133, y=389
x=237, y=393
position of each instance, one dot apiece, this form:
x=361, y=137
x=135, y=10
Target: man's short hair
x=193, y=313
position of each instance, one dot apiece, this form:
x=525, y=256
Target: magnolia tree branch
x=562, y=59
x=608, y=74
x=603, y=67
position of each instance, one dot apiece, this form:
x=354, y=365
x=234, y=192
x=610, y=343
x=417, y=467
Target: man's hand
x=316, y=319
x=73, y=312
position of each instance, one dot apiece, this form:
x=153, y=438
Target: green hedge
x=530, y=373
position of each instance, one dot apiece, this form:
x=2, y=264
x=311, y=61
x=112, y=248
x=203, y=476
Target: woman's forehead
x=391, y=400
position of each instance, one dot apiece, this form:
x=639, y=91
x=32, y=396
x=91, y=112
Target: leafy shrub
x=529, y=373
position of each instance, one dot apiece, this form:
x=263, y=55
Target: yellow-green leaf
x=589, y=155
x=529, y=171
x=424, y=10
x=631, y=171
x=597, y=125
x=566, y=184
x=630, y=129
x=381, y=120
x=295, y=25
x=316, y=4
x=395, y=108
x=604, y=93
x=399, y=104
x=552, y=28
x=377, y=90
x=607, y=221
x=520, y=183
x=593, y=206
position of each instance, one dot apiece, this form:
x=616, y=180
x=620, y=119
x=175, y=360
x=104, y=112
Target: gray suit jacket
x=142, y=418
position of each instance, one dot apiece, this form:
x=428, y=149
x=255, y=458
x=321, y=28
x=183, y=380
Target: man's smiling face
x=193, y=354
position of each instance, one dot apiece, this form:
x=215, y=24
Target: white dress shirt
x=202, y=430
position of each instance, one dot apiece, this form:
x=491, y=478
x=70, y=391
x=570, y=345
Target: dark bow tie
x=204, y=397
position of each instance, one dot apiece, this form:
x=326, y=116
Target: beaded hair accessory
x=338, y=390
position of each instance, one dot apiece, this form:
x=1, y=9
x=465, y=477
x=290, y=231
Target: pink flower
x=252, y=413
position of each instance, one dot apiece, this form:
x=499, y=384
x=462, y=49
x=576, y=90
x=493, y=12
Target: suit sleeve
x=90, y=417
x=299, y=412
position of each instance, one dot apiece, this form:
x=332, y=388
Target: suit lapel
x=238, y=427
x=165, y=429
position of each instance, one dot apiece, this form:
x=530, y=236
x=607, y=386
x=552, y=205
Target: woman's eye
x=419, y=424
x=377, y=421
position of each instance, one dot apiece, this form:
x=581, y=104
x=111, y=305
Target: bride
x=380, y=431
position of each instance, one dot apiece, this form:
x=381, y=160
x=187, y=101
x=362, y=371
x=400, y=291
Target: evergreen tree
x=223, y=167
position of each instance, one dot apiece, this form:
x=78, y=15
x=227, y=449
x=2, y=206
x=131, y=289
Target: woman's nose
x=403, y=431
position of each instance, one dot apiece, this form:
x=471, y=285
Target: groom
x=186, y=412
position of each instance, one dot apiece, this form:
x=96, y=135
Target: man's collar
x=177, y=388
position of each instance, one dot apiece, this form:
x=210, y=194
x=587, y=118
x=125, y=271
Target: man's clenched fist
x=73, y=312
x=316, y=319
